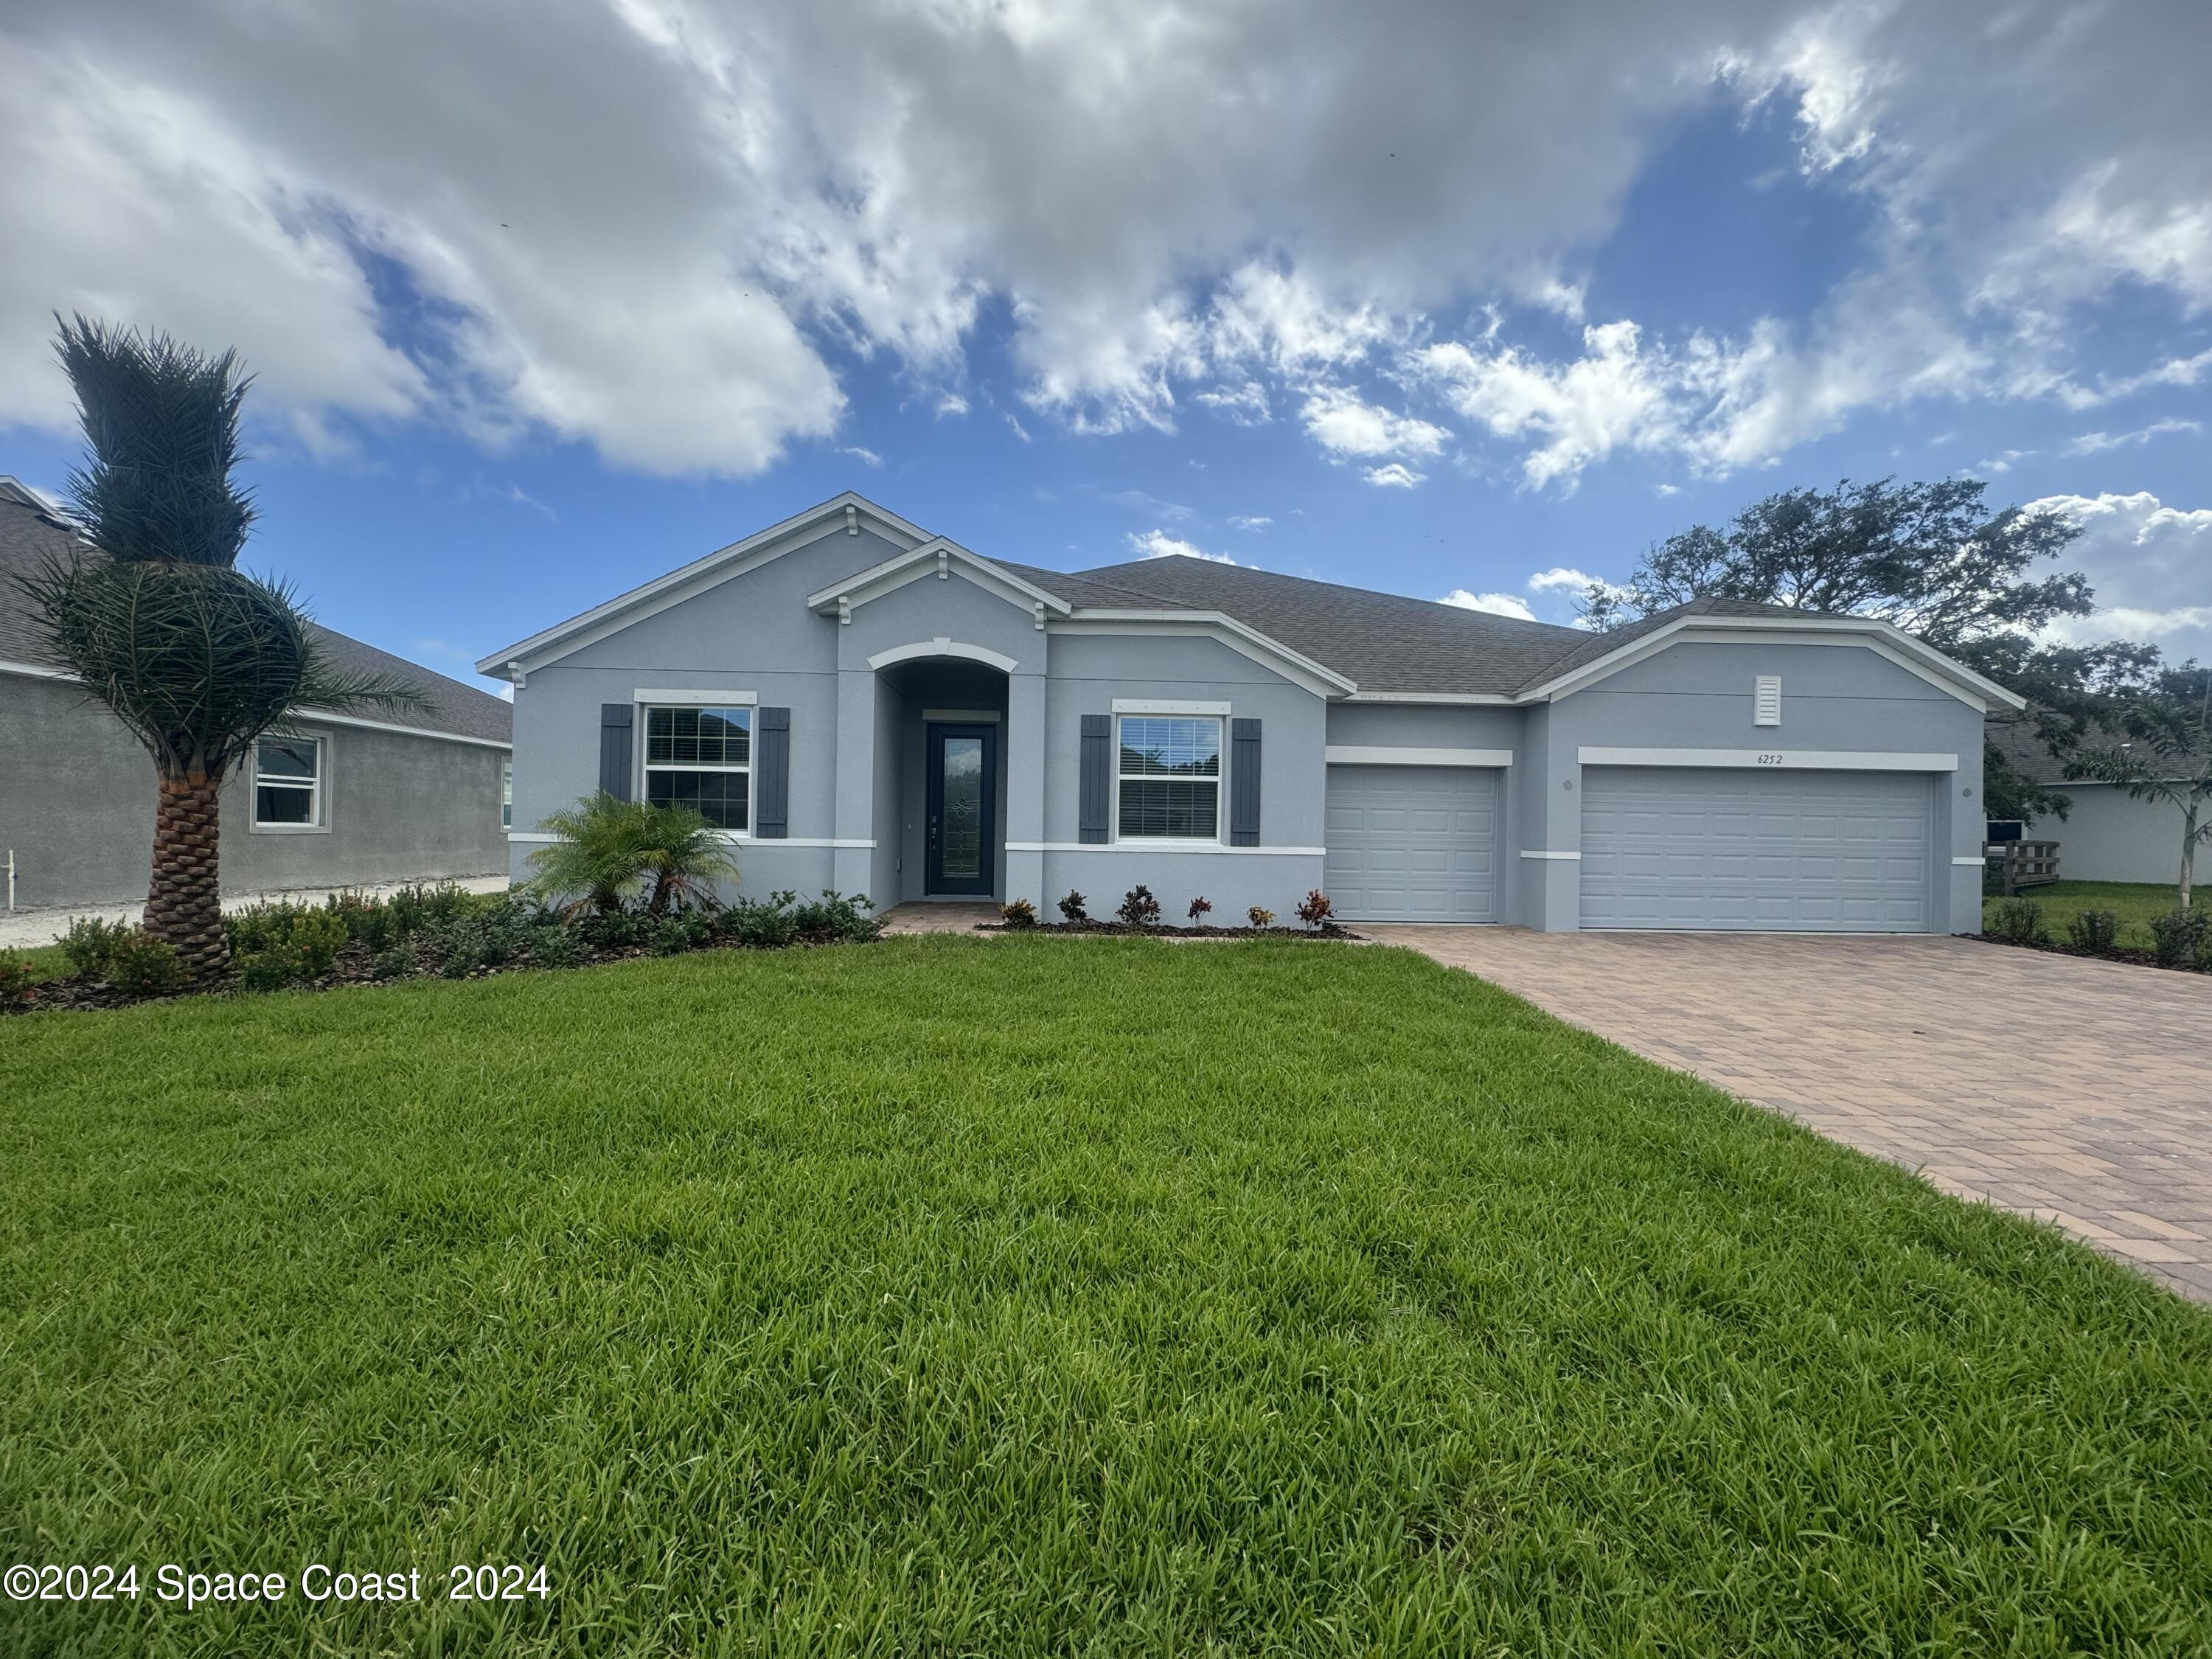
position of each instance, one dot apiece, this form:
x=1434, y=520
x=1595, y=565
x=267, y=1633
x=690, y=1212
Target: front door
x=963, y=808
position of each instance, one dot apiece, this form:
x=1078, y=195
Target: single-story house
x=339, y=801
x=862, y=704
x=2107, y=835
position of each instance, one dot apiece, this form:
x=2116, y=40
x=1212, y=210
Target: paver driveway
x=2072, y=1091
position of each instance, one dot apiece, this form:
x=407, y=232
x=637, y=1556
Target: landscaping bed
x=956, y=1295
x=2104, y=923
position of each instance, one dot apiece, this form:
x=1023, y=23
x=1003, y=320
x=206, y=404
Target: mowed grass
x=1027, y=1295
x=44, y=961
x=2134, y=903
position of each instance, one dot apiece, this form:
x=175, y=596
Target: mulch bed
x=1326, y=930
x=2132, y=956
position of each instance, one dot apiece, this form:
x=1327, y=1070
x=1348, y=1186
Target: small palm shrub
x=1199, y=908
x=2021, y=921
x=143, y=966
x=1259, y=916
x=1020, y=913
x=1071, y=907
x=16, y=980
x=2095, y=932
x=2175, y=936
x=1138, y=908
x=90, y=943
x=1314, y=908
x=607, y=851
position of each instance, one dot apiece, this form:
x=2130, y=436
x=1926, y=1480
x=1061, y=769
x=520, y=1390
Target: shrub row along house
x=863, y=705
x=334, y=800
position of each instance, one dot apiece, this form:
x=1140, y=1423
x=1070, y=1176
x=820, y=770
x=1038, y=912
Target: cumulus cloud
x=1394, y=475
x=1158, y=544
x=1498, y=604
x=658, y=226
x=1250, y=521
x=2151, y=565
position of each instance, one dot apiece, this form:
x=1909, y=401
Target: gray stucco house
x=342, y=800
x=2107, y=835
x=862, y=704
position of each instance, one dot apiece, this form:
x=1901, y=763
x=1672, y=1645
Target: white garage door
x=1761, y=852
x=1413, y=843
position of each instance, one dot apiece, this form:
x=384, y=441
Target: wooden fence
x=2021, y=863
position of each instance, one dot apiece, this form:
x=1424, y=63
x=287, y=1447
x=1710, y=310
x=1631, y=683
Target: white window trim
x=694, y=698
x=1216, y=711
x=641, y=725
x=318, y=822
x=507, y=795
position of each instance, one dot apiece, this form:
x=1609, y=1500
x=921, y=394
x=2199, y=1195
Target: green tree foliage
x=196, y=658
x=1931, y=559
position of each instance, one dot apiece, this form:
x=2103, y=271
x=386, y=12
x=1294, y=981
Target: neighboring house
x=866, y=706
x=2107, y=835
x=341, y=800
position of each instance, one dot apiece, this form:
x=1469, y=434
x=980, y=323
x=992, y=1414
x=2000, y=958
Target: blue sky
x=1452, y=308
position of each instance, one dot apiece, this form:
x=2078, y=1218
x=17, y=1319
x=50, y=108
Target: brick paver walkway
x=2072, y=1091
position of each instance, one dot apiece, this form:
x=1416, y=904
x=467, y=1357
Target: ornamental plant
x=146, y=966
x=1259, y=916
x=2175, y=936
x=1199, y=907
x=2095, y=932
x=2021, y=921
x=1018, y=914
x=1314, y=908
x=1071, y=907
x=16, y=980
x=1137, y=908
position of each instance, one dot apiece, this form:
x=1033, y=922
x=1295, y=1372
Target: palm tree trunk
x=184, y=905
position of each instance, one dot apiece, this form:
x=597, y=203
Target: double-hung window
x=288, y=783
x=507, y=797
x=1169, y=777
x=701, y=758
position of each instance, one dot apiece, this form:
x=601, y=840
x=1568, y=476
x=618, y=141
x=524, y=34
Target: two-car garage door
x=1685, y=849
x=1413, y=843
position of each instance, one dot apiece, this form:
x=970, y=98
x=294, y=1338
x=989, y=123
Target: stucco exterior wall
x=2111, y=836
x=77, y=797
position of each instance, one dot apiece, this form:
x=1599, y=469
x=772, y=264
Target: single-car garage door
x=1413, y=843
x=1761, y=852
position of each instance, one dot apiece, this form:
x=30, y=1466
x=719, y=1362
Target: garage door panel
x=1813, y=851
x=1413, y=843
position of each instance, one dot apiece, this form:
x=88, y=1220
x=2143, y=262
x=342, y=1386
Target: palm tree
x=197, y=658
x=604, y=849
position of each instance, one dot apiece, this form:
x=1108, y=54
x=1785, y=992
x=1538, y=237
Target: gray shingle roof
x=28, y=535
x=1383, y=642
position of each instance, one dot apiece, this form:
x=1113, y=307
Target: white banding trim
x=1528, y=854
x=1134, y=848
x=694, y=697
x=1362, y=754
x=943, y=646
x=1156, y=705
x=1972, y=861
x=1779, y=760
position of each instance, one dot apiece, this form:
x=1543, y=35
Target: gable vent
x=1767, y=700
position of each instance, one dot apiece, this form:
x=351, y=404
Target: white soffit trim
x=1300, y=670
x=694, y=697
x=1366, y=754
x=917, y=563
x=1529, y=853
x=1450, y=699
x=800, y=530
x=944, y=647
x=1867, y=633
x=1782, y=760
x=33, y=671
x=1202, y=848
x=1156, y=705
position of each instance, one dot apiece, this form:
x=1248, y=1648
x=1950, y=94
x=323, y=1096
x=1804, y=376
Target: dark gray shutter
x=772, y=760
x=1097, y=778
x=615, y=719
x=1243, y=783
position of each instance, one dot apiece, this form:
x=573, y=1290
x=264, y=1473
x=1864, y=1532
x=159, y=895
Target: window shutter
x=1243, y=783
x=1097, y=779
x=615, y=720
x=1767, y=700
x=772, y=764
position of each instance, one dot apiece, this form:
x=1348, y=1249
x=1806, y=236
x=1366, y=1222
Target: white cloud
x=1250, y=521
x=1338, y=421
x=951, y=403
x=397, y=213
x=2151, y=566
x=1158, y=544
x=1498, y=604
x=1393, y=475
x=1152, y=506
x=2093, y=443
x=1561, y=579
x=865, y=457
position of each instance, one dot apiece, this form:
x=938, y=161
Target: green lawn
x=46, y=961
x=2133, y=901
x=1032, y=1295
